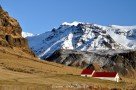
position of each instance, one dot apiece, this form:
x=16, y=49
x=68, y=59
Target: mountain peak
x=26, y=34
x=75, y=23
x=83, y=37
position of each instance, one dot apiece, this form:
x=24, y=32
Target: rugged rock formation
x=120, y=61
x=10, y=33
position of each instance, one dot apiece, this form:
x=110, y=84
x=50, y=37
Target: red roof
x=104, y=74
x=87, y=71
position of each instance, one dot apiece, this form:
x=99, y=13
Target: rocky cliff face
x=123, y=62
x=10, y=33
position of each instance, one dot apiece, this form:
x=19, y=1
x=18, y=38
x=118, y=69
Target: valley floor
x=19, y=71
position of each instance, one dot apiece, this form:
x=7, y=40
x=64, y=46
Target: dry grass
x=24, y=71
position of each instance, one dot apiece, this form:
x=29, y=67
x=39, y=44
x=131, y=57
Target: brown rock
x=10, y=33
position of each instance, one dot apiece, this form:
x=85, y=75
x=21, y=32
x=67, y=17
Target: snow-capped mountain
x=83, y=37
x=26, y=34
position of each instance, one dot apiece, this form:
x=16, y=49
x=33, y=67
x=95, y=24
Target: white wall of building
x=116, y=78
x=85, y=75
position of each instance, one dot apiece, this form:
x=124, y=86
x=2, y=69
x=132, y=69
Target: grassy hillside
x=21, y=71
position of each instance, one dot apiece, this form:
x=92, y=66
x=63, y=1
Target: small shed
x=87, y=72
x=113, y=76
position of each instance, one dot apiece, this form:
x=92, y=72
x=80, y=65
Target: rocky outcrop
x=123, y=62
x=10, y=33
x=16, y=42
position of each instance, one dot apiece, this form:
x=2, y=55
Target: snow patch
x=26, y=34
x=75, y=23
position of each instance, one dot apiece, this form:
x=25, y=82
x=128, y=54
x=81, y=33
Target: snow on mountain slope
x=26, y=34
x=75, y=23
x=83, y=37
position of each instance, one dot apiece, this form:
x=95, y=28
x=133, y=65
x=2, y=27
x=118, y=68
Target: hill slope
x=26, y=72
x=123, y=62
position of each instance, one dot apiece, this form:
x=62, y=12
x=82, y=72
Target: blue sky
x=38, y=16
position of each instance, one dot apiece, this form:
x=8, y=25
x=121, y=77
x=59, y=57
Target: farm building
x=87, y=72
x=113, y=76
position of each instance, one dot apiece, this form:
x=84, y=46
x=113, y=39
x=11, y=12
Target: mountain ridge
x=83, y=37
